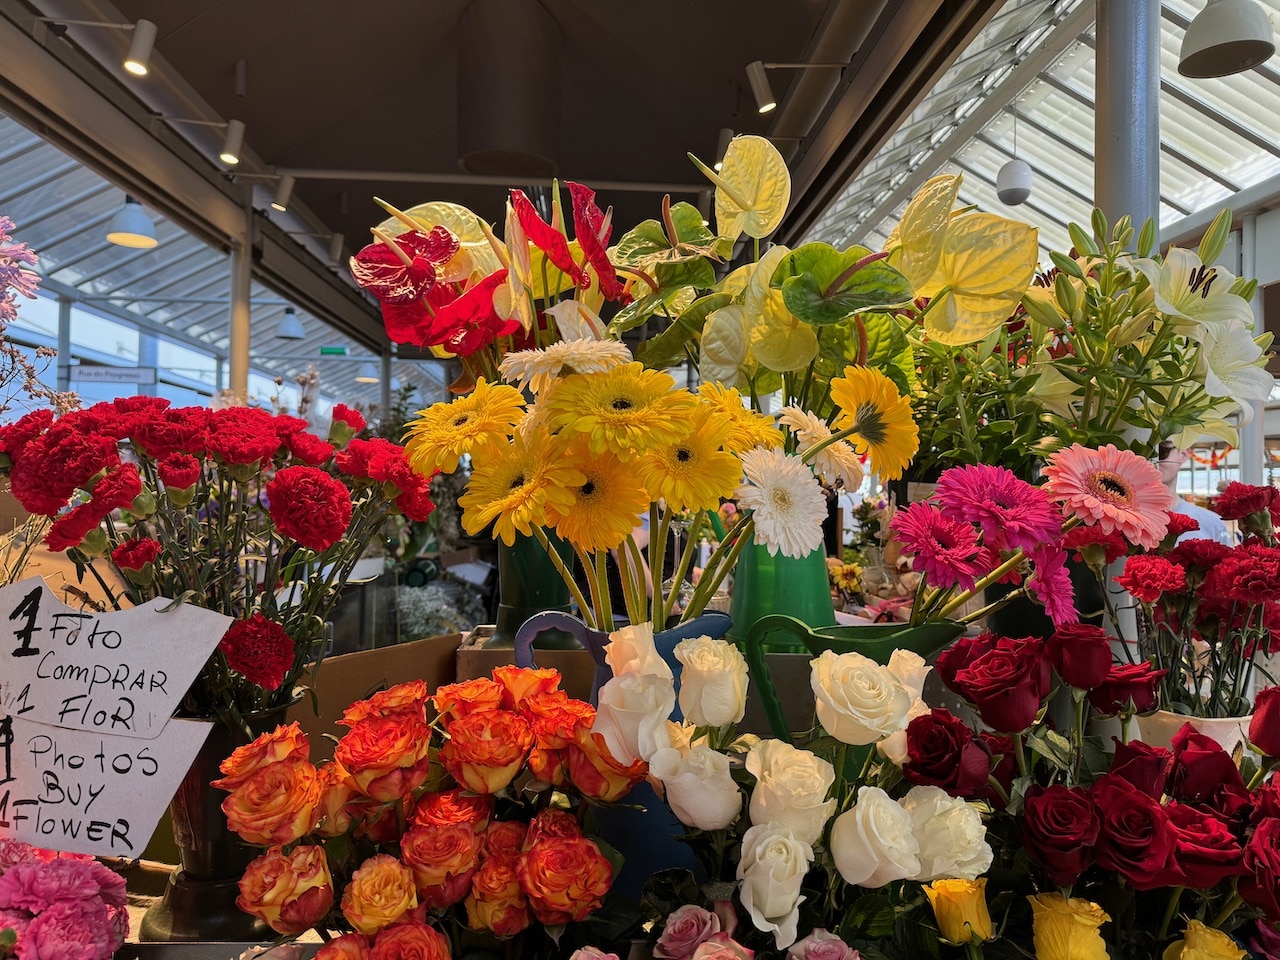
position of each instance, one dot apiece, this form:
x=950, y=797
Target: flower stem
x=565, y=574
x=1233, y=902
x=1174, y=896
x=999, y=789
x=1020, y=754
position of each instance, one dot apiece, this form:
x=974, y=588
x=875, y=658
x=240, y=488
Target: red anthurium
x=458, y=325
x=592, y=233
x=546, y=237
x=439, y=245
x=402, y=275
x=412, y=322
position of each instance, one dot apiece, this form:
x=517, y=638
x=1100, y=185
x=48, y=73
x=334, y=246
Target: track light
x=760, y=88
x=132, y=227
x=335, y=248
x=138, y=62
x=232, y=143
x=726, y=135
x=290, y=327
x=368, y=373
x=1226, y=37
x=284, y=190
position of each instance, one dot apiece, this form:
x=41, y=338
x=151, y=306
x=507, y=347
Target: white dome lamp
x=1013, y=182
x=132, y=227
x=1226, y=37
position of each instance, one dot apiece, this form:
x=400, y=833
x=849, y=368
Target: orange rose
x=442, y=859
x=564, y=878
x=597, y=774
x=497, y=903
x=457, y=700
x=386, y=757
x=485, y=751
x=276, y=805
x=556, y=718
x=374, y=819
x=349, y=946
x=504, y=839
x=408, y=697
x=551, y=823
x=550, y=766
x=413, y=940
x=282, y=743
x=521, y=683
x=454, y=806
x=290, y=893
x=335, y=794
x=379, y=894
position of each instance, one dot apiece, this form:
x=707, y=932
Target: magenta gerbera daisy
x=1114, y=489
x=1051, y=584
x=1011, y=512
x=946, y=551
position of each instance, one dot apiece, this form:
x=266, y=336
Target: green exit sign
x=333, y=351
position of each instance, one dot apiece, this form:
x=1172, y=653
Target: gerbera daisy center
x=1112, y=487
x=684, y=454
x=517, y=482
x=621, y=403
x=588, y=488
x=869, y=422
x=781, y=498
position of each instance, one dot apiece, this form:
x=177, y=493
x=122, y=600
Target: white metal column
x=1253, y=433
x=241, y=274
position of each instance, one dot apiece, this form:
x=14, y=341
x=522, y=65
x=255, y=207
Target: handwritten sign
x=119, y=673
x=88, y=792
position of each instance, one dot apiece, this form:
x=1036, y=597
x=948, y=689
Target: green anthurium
x=667, y=348
x=650, y=244
x=673, y=299
x=725, y=342
x=822, y=285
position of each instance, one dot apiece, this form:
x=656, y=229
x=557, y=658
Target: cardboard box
x=475, y=660
x=344, y=679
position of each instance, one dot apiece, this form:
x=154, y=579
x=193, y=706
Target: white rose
x=713, y=681
x=632, y=715
x=791, y=788
x=951, y=834
x=773, y=866
x=858, y=701
x=699, y=788
x=873, y=843
x=632, y=650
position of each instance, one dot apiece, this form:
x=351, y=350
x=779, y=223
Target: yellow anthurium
x=987, y=264
x=753, y=188
x=781, y=341
x=474, y=253
x=724, y=345
x=916, y=242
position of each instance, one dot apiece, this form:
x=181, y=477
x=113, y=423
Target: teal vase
x=528, y=583
x=765, y=585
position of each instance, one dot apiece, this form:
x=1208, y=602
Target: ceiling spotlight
x=368, y=373
x=1226, y=37
x=722, y=145
x=335, y=248
x=760, y=88
x=290, y=327
x=232, y=143
x=132, y=227
x=284, y=190
x=138, y=62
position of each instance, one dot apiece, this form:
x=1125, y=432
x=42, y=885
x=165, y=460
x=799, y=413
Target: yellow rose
x=290, y=892
x=1203, y=943
x=380, y=893
x=1067, y=929
x=960, y=907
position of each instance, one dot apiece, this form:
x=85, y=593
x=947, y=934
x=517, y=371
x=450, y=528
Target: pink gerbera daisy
x=1052, y=586
x=1114, y=489
x=946, y=551
x=1011, y=512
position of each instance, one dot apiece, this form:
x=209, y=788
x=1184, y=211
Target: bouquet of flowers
x=234, y=509
x=419, y=831
x=55, y=905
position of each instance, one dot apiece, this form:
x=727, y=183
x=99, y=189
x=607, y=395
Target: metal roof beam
x=67, y=204
x=49, y=176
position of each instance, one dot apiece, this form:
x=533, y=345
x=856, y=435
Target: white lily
x=1194, y=293
x=1231, y=364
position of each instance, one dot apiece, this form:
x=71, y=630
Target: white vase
x=1158, y=729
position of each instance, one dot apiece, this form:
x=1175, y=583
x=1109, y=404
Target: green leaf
x=691, y=273
x=871, y=916
x=807, y=274
x=885, y=340
x=667, y=348
x=637, y=246
x=648, y=244
x=638, y=311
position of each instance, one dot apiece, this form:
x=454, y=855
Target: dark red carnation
x=1180, y=523
x=309, y=506
x=179, y=471
x=1195, y=552
x=416, y=503
x=259, y=650
x=1136, y=838
x=1146, y=576
x=1127, y=685
x=1081, y=654
x=70, y=529
x=1093, y=546
x=1059, y=826
x=176, y=430
x=117, y=490
x=136, y=553
x=309, y=449
x=1145, y=766
x=1007, y=683
x=1248, y=574
x=358, y=457
x=352, y=418
x=57, y=463
x=943, y=752
x=1260, y=884
x=1207, y=851
x=241, y=436
x=1238, y=500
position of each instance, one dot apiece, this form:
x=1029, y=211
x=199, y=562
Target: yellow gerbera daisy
x=626, y=410
x=516, y=485
x=693, y=473
x=475, y=423
x=604, y=507
x=880, y=418
x=747, y=428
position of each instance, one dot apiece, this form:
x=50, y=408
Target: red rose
x=410, y=940
x=962, y=653
x=136, y=553
x=504, y=839
x=454, y=806
x=1006, y=768
x=1264, y=728
x=943, y=752
x=308, y=448
x=1081, y=654
x=1007, y=683
x=241, y=436
x=551, y=823
x=1238, y=500
x=1266, y=801
x=1146, y=576
x=443, y=859
x=259, y=650
x=1136, y=838
x=1128, y=684
x=309, y=506
x=565, y=878
x=180, y=430
x=1204, y=773
x=1207, y=851
x=117, y=490
x=179, y=471
x=1059, y=826
x=1260, y=884
x=1146, y=767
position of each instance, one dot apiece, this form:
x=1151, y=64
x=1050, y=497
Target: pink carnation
x=34, y=886
x=15, y=851
x=69, y=931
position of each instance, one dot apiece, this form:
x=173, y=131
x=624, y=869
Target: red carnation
x=1180, y=523
x=416, y=503
x=179, y=471
x=1094, y=547
x=308, y=448
x=352, y=418
x=1238, y=500
x=309, y=506
x=70, y=529
x=176, y=430
x=117, y=490
x=1147, y=576
x=1246, y=575
x=1204, y=554
x=131, y=411
x=242, y=435
x=260, y=650
x=287, y=426
x=136, y=553
x=27, y=427
x=55, y=464
x=359, y=456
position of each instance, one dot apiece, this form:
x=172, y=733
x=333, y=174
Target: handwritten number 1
x=29, y=607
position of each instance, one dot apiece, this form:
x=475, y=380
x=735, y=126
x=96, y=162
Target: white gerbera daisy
x=538, y=369
x=786, y=499
x=839, y=461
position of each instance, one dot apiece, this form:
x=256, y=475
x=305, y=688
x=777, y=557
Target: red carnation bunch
x=309, y=506
x=1238, y=500
x=176, y=430
x=242, y=435
x=178, y=471
x=260, y=650
x=1147, y=576
x=1094, y=546
x=1247, y=575
x=136, y=553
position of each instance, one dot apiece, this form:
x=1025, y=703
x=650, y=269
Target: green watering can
x=876, y=641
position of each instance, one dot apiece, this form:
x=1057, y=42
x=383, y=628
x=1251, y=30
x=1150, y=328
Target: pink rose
x=721, y=946
x=591, y=953
x=69, y=931
x=822, y=945
x=687, y=929
x=34, y=886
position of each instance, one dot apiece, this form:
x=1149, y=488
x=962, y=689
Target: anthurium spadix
x=753, y=188
x=474, y=254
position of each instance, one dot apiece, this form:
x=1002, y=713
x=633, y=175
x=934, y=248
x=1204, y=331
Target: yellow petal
x=474, y=253
x=781, y=341
x=920, y=234
x=724, y=346
x=753, y=189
